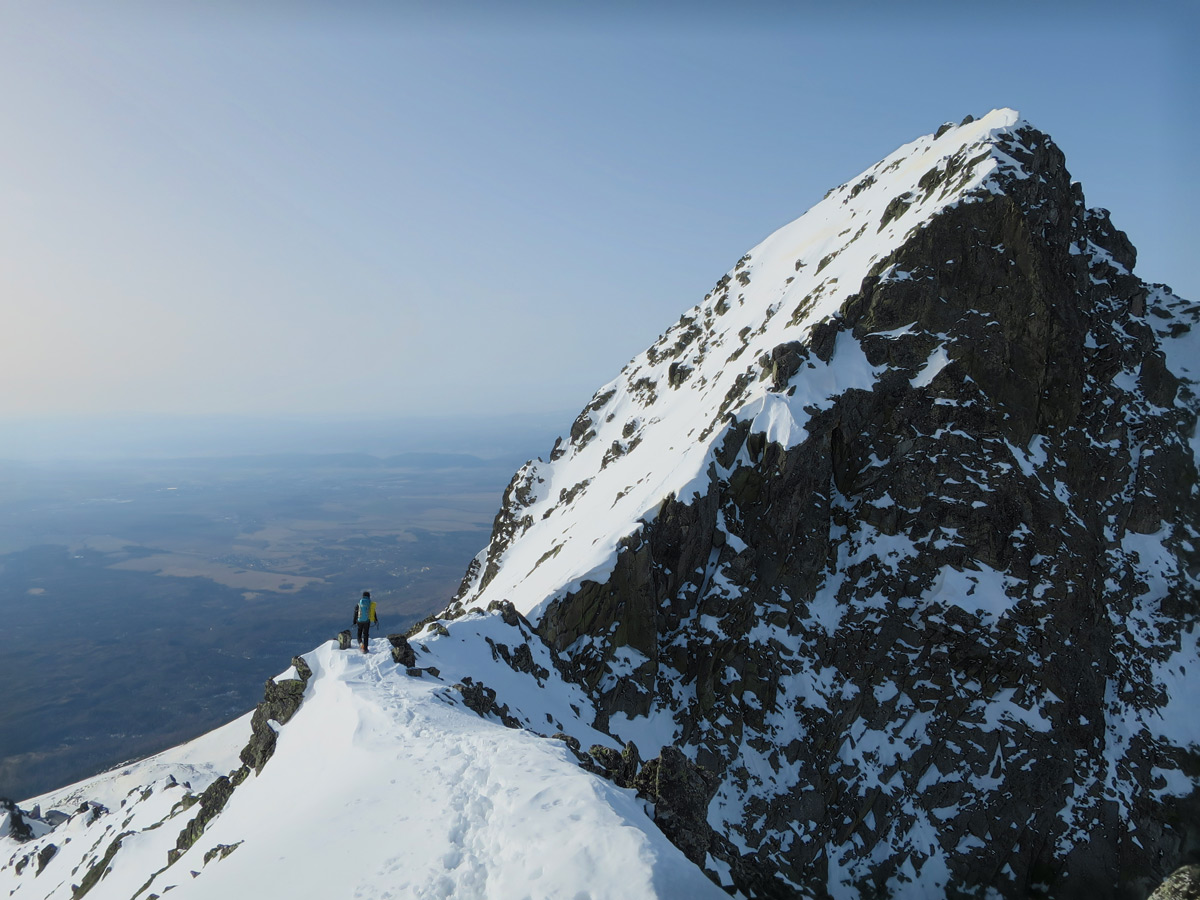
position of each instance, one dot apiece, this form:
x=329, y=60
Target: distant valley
x=143, y=603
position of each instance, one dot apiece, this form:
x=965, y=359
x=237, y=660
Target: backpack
x=364, y=610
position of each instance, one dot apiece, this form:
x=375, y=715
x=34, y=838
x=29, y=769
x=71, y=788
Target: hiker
x=364, y=615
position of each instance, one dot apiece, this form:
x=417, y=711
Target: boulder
x=507, y=611
x=619, y=766
x=1183, y=884
x=44, y=856
x=402, y=651
x=681, y=792
x=303, y=670
x=481, y=699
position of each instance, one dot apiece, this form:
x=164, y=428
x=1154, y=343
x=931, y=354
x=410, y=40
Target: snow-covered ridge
x=651, y=432
x=383, y=784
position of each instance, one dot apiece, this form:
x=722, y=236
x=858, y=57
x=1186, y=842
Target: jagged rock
x=631, y=762
x=507, y=611
x=220, y=851
x=280, y=701
x=621, y=766
x=261, y=746
x=571, y=742
x=481, y=699
x=402, y=653
x=1183, y=884
x=212, y=801
x=681, y=792
x=303, y=670
x=520, y=660
x=98, y=869
x=523, y=661
x=44, y=856
x=18, y=828
x=608, y=758
x=188, y=800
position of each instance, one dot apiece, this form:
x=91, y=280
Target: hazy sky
x=323, y=208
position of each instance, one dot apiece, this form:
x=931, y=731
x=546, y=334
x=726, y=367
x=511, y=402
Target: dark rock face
x=681, y=792
x=18, y=828
x=933, y=632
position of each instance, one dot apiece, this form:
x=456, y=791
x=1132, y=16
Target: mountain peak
x=907, y=495
x=652, y=432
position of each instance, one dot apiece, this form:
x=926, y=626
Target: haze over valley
x=144, y=601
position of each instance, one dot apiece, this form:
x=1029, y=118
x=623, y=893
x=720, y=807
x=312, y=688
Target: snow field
x=384, y=786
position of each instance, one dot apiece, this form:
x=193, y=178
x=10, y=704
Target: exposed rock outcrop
x=681, y=792
x=280, y=701
x=18, y=828
x=481, y=699
x=402, y=653
x=1183, y=884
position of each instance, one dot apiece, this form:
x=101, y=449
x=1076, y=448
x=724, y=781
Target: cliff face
x=910, y=564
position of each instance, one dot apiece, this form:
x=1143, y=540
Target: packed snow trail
x=383, y=786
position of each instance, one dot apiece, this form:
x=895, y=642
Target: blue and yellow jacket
x=367, y=607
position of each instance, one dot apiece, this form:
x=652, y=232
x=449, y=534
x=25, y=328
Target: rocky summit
x=874, y=577
x=895, y=534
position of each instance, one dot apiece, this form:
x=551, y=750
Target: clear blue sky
x=382, y=210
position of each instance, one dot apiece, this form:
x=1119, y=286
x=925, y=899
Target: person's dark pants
x=364, y=632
